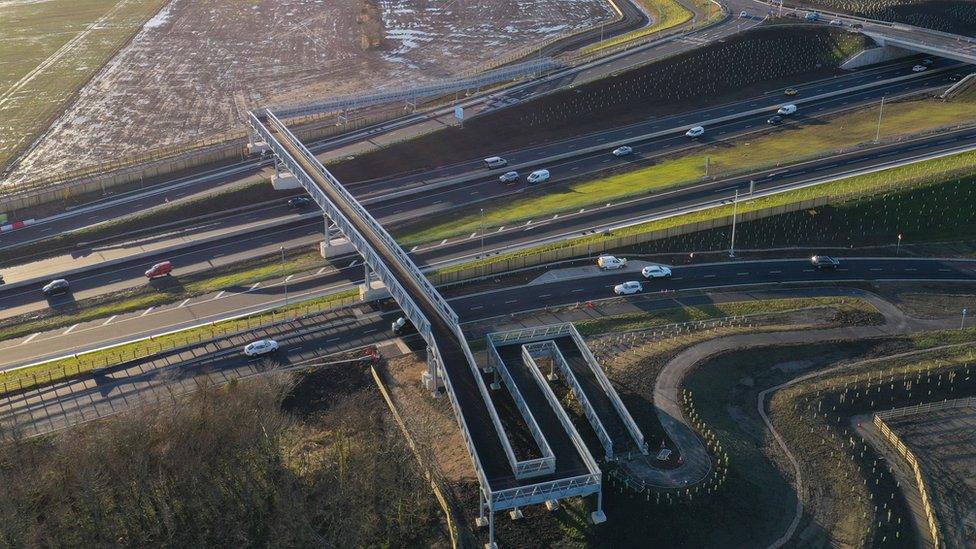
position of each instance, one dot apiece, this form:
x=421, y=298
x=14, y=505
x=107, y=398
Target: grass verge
x=665, y=14
x=643, y=320
x=815, y=138
x=236, y=275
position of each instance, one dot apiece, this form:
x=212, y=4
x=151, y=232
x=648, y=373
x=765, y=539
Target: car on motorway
x=299, y=203
x=1, y=280
x=628, y=288
x=697, y=131
x=857, y=26
x=812, y=16
x=656, y=271
x=55, y=287
x=955, y=77
x=790, y=92
x=609, y=262
x=928, y=61
x=774, y=120
x=402, y=326
x=822, y=262
x=836, y=23
x=509, y=177
x=538, y=176
x=261, y=347
x=786, y=110
x=919, y=68
x=164, y=268
x=493, y=162
x=623, y=150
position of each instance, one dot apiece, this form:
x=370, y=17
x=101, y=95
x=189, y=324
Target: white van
x=538, y=176
x=609, y=262
x=786, y=110
x=495, y=162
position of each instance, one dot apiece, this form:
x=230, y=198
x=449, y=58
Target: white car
x=836, y=23
x=538, y=176
x=622, y=151
x=919, y=68
x=697, y=131
x=656, y=271
x=508, y=177
x=787, y=110
x=743, y=13
x=261, y=347
x=628, y=288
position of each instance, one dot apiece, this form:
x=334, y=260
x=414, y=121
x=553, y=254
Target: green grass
x=919, y=174
x=223, y=278
x=809, y=140
x=637, y=321
x=47, y=372
x=31, y=95
x=665, y=14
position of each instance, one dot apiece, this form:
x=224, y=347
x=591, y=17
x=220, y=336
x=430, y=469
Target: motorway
x=307, y=341
x=304, y=230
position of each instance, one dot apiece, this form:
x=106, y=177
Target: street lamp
x=735, y=209
x=482, y=231
x=898, y=245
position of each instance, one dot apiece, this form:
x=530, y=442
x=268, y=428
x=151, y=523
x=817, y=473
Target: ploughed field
x=742, y=66
x=955, y=16
x=194, y=70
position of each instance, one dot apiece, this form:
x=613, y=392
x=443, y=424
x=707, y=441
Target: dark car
x=955, y=77
x=774, y=120
x=55, y=287
x=857, y=26
x=299, y=202
x=822, y=262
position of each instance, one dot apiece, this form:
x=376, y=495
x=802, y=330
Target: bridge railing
x=513, y=72
x=531, y=351
x=410, y=308
x=601, y=377
x=528, y=468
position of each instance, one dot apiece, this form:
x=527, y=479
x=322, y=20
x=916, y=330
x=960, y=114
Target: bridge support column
x=283, y=179
x=486, y=520
x=432, y=379
x=372, y=289
x=598, y=516
x=335, y=244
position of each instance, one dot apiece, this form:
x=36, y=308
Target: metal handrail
x=547, y=463
x=550, y=347
x=512, y=72
x=601, y=377
x=579, y=485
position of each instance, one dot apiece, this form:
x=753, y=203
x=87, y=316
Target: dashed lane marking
x=110, y=319
x=147, y=311
x=185, y=301
x=68, y=331
x=31, y=338
x=741, y=274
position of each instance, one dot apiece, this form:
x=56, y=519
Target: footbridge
x=950, y=46
x=557, y=465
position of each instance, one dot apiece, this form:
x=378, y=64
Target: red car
x=160, y=269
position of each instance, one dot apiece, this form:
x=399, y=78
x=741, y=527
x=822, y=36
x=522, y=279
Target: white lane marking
x=320, y=271
x=353, y=264
x=502, y=228
x=910, y=270
x=708, y=276
x=252, y=288
x=415, y=248
x=512, y=301
x=472, y=235
x=443, y=242
x=945, y=270
x=555, y=216
x=875, y=269
x=147, y=311
x=115, y=280
x=576, y=290
x=741, y=274
x=775, y=272
x=477, y=307
x=219, y=294
x=582, y=210
x=289, y=277
x=185, y=301
x=545, y=295
x=68, y=331
x=110, y=319
x=31, y=338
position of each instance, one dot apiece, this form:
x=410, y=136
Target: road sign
x=459, y=112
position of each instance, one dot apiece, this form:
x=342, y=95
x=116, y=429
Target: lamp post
x=877, y=137
x=735, y=209
x=482, y=231
x=282, y=249
x=898, y=245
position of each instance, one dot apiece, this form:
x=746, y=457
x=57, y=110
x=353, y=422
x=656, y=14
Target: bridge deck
x=485, y=438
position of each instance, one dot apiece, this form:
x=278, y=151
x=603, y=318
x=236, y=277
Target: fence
x=909, y=456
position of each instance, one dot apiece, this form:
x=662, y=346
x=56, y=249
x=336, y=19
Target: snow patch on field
x=196, y=67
